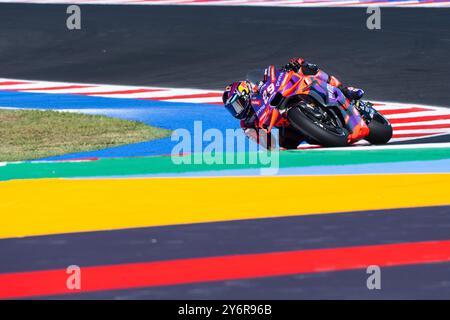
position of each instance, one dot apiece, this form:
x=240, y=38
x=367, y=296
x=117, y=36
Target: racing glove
x=295, y=64
x=352, y=93
x=307, y=68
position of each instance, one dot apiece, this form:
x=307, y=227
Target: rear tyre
x=321, y=125
x=380, y=130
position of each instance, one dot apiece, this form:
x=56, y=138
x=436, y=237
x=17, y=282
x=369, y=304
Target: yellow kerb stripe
x=51, y=206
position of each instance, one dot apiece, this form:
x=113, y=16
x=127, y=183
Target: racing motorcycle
x=312, y=110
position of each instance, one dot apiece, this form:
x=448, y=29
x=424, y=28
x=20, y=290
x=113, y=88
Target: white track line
x=269, y=3
x=388, y=147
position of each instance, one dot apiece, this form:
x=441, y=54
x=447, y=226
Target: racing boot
x=353, y=93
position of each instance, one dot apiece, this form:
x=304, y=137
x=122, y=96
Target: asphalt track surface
x=208, y=47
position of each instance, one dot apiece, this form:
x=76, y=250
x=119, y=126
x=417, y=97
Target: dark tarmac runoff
x=209, y=47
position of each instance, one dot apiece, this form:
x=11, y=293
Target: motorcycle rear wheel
x=327, y=131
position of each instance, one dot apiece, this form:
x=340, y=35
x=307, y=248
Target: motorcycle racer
x=237, y=99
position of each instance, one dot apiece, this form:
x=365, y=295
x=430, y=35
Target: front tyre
x=380, y=129
x=290, y=138
x=321, y=125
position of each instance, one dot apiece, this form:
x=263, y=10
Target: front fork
x=357, y=117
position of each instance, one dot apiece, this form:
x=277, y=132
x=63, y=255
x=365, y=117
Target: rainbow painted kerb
x=149, y=218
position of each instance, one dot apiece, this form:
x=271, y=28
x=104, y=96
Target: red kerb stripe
x=423, y=127
x=405, y=110
x=162, y=273
x=11, y=83
x=51, y=88
x=188, y=96
x=121, y=91
x=413, y=135
x=420, y=119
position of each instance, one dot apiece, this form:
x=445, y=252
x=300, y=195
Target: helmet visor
x=236, y=106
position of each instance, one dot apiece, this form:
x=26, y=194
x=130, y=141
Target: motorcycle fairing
x=290, y=84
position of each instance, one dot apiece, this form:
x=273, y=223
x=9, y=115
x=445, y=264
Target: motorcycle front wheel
x=380, y=129
x=320, y=124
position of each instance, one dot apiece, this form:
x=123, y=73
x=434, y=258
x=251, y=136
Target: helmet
x=236, y=99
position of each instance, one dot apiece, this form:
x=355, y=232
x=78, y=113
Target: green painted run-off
x=165, y=165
